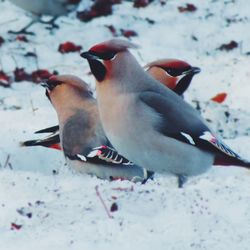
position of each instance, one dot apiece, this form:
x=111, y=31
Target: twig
x=14, y=59
x=32, y=106
x=36, y=59
x=7, y=162
x=103, y=203
x=10, y=166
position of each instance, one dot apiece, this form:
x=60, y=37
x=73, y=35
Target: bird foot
x=182, y=179
x=23, y=31
x=149, y=176
x=51, y=23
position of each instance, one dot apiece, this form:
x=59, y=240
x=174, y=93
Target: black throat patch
x=97, y=69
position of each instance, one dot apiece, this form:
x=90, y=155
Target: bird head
x=99, y=56
x=172, y=72
x=65, y=88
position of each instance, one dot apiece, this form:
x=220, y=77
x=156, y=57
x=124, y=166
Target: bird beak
x=89, y=55
x=45, y=84
x=51, y=83
x=192, y=71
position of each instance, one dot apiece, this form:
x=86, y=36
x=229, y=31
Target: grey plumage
x=147, y=122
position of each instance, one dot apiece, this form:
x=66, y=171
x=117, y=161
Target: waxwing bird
x=148, y=123
x=81, y=135
x=173, y=73
x=54, y=8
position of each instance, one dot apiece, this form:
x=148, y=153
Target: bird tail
x=232, y=161
x=53, y=129
x=53, y=143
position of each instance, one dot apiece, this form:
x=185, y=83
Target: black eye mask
x=47, y=94
x=51, y=84
x=103, y=55
x=176, y=72
x=97, y=69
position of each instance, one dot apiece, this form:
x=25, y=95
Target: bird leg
x=150, y=176
x=24, y=29
x=51, y=22
x=182, y=179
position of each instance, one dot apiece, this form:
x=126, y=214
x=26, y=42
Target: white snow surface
x=212, y=211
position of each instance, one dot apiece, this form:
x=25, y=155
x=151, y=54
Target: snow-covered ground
x=59, y=209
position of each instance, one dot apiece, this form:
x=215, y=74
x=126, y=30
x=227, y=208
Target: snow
x=212, y=211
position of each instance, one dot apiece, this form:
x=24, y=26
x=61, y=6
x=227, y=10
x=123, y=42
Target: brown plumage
x=82, y=138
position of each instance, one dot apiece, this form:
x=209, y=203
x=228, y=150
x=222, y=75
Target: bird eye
x=51, y=83
x=169, y=71
x=177, y=71
x=104, y=55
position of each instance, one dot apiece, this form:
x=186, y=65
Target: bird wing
x=104, y=155
x=84, y=140
x=110, y=155
x=181, y=122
